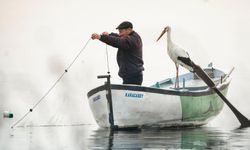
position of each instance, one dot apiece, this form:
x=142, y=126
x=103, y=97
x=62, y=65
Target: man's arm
x=114, y=40
x=114, y=34
x=118, y=42
x=98, y=36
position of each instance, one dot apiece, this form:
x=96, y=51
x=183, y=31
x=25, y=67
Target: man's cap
x=125, y=25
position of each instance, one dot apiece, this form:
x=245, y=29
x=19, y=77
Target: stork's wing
x=186, y=62
x=182, y=57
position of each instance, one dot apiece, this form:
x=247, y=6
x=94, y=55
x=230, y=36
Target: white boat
x=161, y=105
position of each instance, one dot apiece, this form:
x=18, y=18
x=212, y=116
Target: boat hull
x=138, y=106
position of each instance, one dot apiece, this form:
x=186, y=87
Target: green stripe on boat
x=201, y=107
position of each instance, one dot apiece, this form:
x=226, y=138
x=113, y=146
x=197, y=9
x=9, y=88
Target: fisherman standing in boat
x=129, y=55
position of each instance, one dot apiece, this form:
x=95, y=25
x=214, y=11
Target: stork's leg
x=177, y=76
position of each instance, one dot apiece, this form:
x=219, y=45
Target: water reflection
x=90, y=137
x=48, y=137
x=197, y=138
x=239, y=139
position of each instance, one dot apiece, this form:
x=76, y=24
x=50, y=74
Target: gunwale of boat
x=193, y=85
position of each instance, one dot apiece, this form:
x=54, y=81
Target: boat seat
x=163, y=83
x=210, y=73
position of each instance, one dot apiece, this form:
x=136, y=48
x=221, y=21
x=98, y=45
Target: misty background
x=39, y=39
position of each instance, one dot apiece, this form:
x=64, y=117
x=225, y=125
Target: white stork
x=177, y=54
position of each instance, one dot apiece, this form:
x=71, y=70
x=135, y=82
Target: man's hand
x=105, y=33
x=95, y=36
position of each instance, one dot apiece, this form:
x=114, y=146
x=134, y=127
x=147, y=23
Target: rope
x=57, y=125
x=107, y=58
x=52, y=87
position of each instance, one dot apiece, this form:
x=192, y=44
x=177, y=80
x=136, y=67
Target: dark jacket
x=129, y=55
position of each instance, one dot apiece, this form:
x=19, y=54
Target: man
x=129, y=55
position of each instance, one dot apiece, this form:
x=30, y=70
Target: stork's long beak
x=162, y=33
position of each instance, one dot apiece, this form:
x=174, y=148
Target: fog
x=39, y=39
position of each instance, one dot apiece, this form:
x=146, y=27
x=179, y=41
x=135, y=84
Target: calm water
x=81, y=137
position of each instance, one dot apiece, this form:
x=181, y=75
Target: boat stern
x=99, y=107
